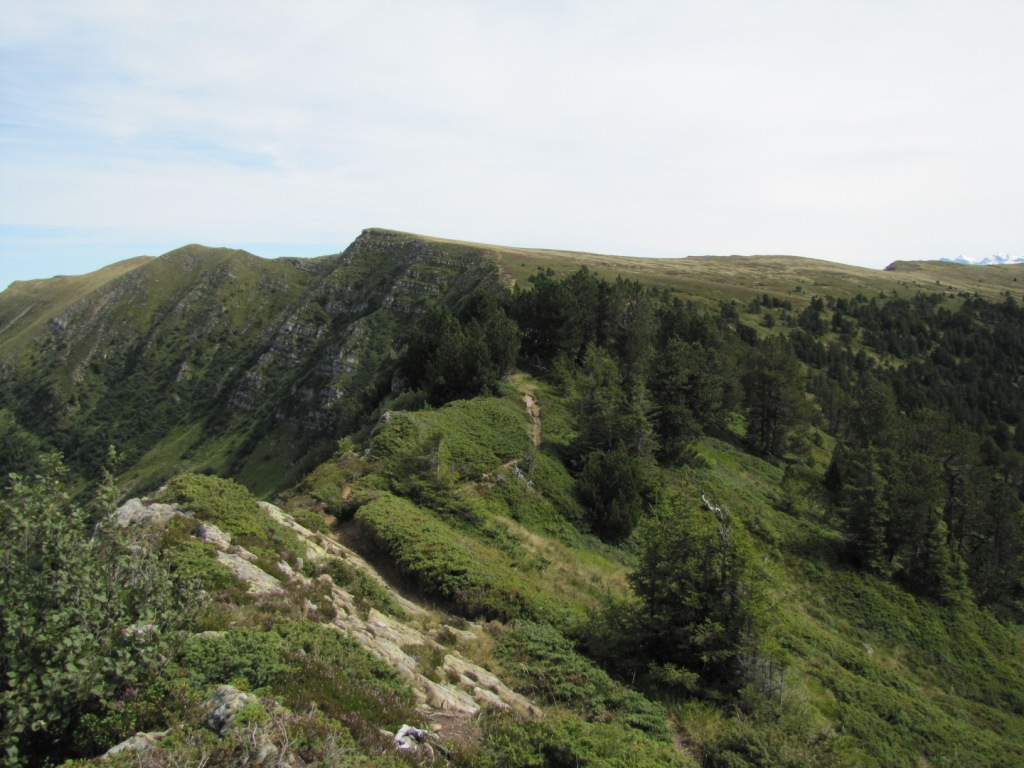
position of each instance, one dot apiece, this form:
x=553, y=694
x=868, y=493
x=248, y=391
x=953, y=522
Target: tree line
x=923, y=403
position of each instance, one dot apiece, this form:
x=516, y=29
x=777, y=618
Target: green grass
x=894, y=678
x=26, y=306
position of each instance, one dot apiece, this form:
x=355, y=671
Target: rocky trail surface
x=450, y=688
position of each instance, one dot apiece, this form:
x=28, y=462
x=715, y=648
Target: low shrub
x=218, y=500
x=233, y=509
x=303, y=663
x=192, y=562
x=345, y=681
x=444, y=565
x=548, y=667
x=566, y=741
x=245, y=657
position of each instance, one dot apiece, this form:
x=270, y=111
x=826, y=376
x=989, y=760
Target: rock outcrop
x=223, y=705
x=135, y=512
x=456, y=685
x=453, y=686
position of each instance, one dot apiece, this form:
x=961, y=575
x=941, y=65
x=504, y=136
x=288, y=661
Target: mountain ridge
x=756, y=511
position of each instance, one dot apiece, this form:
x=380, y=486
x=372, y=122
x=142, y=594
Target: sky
x=858, y=131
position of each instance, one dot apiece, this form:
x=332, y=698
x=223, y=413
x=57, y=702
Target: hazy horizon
x=855, y=133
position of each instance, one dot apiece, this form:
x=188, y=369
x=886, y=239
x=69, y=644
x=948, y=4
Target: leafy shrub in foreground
x=83, y=618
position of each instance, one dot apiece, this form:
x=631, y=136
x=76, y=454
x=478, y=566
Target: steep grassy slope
x=869, y=674
x=31, y=303
x=216, y=359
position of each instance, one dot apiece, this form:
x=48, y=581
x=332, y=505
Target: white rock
x=259, y=581
x=211, y=534
x=140, y=742
x=134, y=512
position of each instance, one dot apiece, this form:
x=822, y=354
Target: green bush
x=327, y=484
x=466, y=438
x=565, y=741
x=192, y=562
x=164, y=701
x=443, y=564
x=231, y=507
x=551, y=669
x=302, y=662
x=85, y=615
x=345, y=681
x=242, y=656
x=296, y=738
x=223, y=502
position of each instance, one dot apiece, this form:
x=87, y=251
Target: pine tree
x=773, y=396
x=704, y=603
x=858, y=489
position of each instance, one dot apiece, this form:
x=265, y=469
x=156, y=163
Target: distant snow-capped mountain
x=984, y=261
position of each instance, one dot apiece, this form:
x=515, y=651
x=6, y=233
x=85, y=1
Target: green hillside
x=30, y=303
x=557, y=509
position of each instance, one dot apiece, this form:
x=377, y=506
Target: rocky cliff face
x=265, y=349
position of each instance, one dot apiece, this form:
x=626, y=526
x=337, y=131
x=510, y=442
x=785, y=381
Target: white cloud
x=851, y=131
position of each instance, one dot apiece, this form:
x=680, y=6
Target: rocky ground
x=449, y=693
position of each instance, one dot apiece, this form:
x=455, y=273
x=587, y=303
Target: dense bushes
x=553, y=671
x=565, y=741
x=300, y=663
x=83, y=618
x=234, y=510
x=458, y=570
x=221, y=501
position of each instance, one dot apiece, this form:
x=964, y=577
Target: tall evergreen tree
x=773, y=397
x=704, y=604
x=858, y=492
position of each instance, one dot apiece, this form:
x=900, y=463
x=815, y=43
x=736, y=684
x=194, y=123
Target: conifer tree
x=858, y=489
x=773, y=397
x=703, y=597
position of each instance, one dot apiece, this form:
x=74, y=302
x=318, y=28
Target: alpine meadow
x=430, y=502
